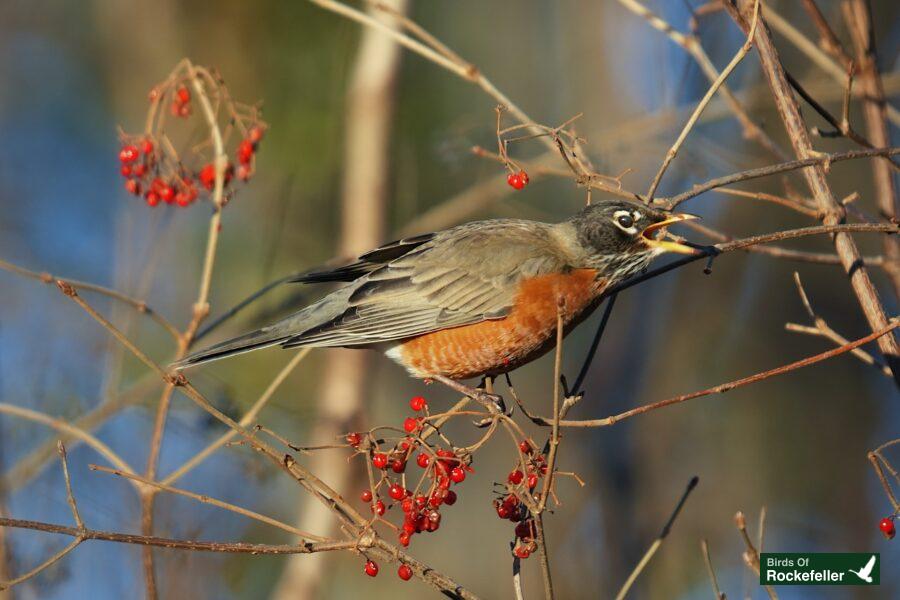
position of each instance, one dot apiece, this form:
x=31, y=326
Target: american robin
x=479, y=299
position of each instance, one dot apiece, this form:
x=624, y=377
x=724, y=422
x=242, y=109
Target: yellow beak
x=654, y=235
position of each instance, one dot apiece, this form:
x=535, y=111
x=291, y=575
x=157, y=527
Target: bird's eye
x=625, y=221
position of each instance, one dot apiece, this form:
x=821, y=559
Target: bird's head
x=622, y=237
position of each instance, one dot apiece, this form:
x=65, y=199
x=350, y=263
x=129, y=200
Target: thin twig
x=751, y=556
x=140, y=305
x=70, y=497
x=648, y=555
x=249, y=417
x=874, y=458
x=194, y=545
x=691, y=44
x=821, y=328
x=819, y=159
x=719, y=81
x=462, y=69
x=595, y=343
x=725, y=387
x=306, y=536
x=713, y=580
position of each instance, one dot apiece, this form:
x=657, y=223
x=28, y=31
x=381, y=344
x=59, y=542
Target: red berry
x=522, y=552
x=532, y=480
x=255, y=135
x=524, y=177
x=398, y=466
x=366, y=496
x=182, y=198
x=525, y=530
x=125, y=171
x=404, y=572
x=147, y=147
x=184, y=110
x=140, y=170
x=380, y=460
x=128, y=154
x=515, y=477
x=435, y=500
x=450, y=498
x=887, y=528
x=244, y=173
x=410, y=424
x=371, y=568
x=207, y=176
x=133, y=187
x=422, y=460
x=515, y=514
x=525, y=447
x=457, y=474
x=245, y=152
x=421, y=524
x=503, y=510
x=183, y=95
x=417, y=403
x=152, y=198
x=167, y=194
x=378, y=508
x=403, y=538
x=396, y=492
x=407, y=505
x=421, y=501
x=354, y=439
x=515, y=180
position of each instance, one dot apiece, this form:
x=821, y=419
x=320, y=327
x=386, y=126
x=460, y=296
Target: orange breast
x=500, y=345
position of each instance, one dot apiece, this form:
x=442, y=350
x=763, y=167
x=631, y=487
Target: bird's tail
x=291, y=328
x=261, y=338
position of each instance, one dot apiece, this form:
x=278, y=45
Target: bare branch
x=648, y=555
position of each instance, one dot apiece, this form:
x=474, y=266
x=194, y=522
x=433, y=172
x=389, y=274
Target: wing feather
x=457, y=277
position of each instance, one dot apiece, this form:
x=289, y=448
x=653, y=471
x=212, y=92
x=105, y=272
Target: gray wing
x=407, y=288
x=457, y=277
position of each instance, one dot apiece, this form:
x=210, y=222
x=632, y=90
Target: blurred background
x=365, y=142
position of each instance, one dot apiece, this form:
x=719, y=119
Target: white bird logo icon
x=866, y=572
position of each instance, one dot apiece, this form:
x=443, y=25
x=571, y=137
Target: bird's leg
x=487, y=384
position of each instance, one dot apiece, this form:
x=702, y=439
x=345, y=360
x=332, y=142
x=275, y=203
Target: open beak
x=654, y=235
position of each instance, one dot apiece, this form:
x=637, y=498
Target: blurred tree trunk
x=370, y=109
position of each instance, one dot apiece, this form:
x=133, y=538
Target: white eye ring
x=625, y=221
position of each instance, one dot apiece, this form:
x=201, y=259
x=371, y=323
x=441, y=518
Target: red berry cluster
x=421, y=506
x=517, y=180
x=886, y=525
x=522, y=484
x=181, y=102
x=246, y=152
x=163, y=174
x=142, y=173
